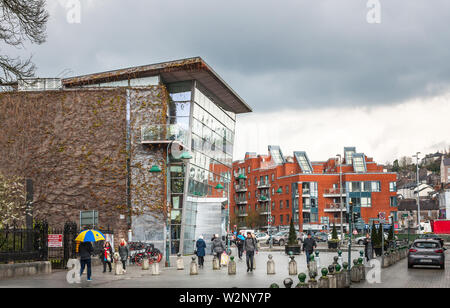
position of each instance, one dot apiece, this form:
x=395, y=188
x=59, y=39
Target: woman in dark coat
x=124, y=253
x=368, y=247
x=107, y=256
x=201, y=251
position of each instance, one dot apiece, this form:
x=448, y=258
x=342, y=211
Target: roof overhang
x=172, y=71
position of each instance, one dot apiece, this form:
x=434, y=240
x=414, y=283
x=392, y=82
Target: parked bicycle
x=140, y=251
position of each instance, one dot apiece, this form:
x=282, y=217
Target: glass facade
x=212, y=137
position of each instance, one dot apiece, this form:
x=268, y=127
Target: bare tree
x=20, y=21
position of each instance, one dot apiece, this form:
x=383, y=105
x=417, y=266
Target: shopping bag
x=224, y=259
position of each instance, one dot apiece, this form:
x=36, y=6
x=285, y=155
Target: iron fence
x=19, y=244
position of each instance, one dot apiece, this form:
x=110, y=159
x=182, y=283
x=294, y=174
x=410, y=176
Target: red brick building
x=282, y=188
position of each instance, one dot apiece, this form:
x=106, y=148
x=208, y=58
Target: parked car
x=432, y=236
x=360, y=239
x=277, y=237
x=321, y=237
x=262, y=236
x=426, y=252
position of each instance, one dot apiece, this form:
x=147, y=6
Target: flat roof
x=172, y=71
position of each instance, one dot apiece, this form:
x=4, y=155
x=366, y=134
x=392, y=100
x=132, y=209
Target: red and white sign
x=355, y=232
x=55, y=240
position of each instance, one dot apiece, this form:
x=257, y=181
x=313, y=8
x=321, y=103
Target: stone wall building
x=112, y=144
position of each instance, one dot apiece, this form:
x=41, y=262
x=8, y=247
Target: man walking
x=86, y=251
x=368, y=248
x=308, y=246
x=250, y=246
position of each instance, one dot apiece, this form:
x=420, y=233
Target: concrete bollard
x=355, y=272
x=312, y=265
x=180, y=262
x=274, y=286
x=288, y=282
x=324, y=282
x=385, y=262
x=332, y=277
x=312, y=283
x=317, y=258
x=302, y=284
x=340, y=277
x=193, y=269
x=340, y=260
x=292, y=265
x=270, y=266
x=346, y=272
x=145, y=264
x=215, y=263
x=232, y=266
x=362, y=269
x=155, y=268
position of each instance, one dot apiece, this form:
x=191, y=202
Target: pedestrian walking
x=107, y=256
x=240, y=245
x=86, y=251
x=368, y=247
x=124, y=253
x=218, y=247
x=200, y=251
x=250, y=247
x=308, y=246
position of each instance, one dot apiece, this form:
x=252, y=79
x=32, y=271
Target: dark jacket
x=218, y=246
x=123, y=252
x=367, y=244
x=86, y=250
x=250, y=244
x=239, y=243
x=110, y=254
x=309, y=244
x=201, y=246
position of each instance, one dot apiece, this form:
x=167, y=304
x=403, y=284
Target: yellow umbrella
x=90, y=236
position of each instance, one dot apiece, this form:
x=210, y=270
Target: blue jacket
x=201, y=246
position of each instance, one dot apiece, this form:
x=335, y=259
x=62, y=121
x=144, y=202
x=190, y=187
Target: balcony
x=333, y=192
x=240, y=188
x=263, y=184
x=263, y=198
x=264, y=213
x=334, y=207
x=239, y=176
x=164, y=133
x=240, y=201
x=241, y=214
x=306, y=192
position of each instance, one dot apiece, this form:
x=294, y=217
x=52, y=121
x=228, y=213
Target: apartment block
x=270, y=190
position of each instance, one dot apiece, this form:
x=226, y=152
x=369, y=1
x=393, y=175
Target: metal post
x=382, y=242
x=228, y=213
x=418, y=194
x=167, y=207
x=350, y=236
x=340, y=196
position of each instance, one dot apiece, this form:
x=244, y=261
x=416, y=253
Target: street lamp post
x=350, y=210
x=418, y=192
x=340, y=196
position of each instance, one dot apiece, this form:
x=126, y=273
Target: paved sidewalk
x=172, y=278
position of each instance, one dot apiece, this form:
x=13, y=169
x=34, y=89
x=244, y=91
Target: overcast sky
x=317, y=75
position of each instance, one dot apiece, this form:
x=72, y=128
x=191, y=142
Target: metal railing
x=334, y=207
x=333, y=191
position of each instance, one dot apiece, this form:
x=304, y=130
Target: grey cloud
x=275, y=54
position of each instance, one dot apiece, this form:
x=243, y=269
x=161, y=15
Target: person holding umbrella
x=240, y=245
x=86, y=238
